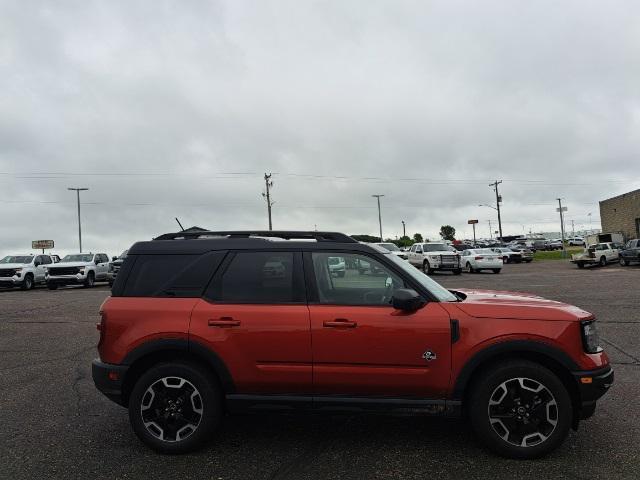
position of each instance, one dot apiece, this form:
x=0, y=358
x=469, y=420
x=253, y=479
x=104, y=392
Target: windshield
x=437, y=290
x=21, y=259
x=435, y=247
x=390, y=246
x=77, y=258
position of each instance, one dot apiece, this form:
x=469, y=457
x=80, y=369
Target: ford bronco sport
x=208, y=323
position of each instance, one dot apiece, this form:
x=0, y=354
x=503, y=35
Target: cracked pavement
x=56, y=425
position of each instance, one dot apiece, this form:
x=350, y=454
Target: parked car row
x=440, y=256
x=27, y=271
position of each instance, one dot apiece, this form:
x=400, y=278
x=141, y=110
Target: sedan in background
x=527, y=255
x=477, y=259
x=393, y=248
x=508, y=255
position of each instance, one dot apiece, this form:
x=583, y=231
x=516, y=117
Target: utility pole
x=562, y=209
x=490, y=231
x=498, y=200
x=268, y=184
x=379, y=215
x=573, y=229
x=404, y=230
x=78, y=190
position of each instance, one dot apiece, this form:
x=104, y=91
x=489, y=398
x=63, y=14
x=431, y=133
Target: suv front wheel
x=174, y=407
x=520, y=409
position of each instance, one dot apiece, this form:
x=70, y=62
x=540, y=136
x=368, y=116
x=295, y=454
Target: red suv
x=203, y=324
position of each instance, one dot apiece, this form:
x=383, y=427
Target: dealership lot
x=56, y=424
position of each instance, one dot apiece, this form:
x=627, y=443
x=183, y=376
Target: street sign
x=41, y=244
x=471, y=222
x=564, y=209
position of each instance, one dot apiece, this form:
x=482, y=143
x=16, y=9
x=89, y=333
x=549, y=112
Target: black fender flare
x=505, y=348
x=204, y=354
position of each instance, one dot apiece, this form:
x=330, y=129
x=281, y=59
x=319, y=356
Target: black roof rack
x=285, y=234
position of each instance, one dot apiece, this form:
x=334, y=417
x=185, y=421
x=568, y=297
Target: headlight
x=590, y=337
x=434, y=257
x=81, y=271
x=18, y=270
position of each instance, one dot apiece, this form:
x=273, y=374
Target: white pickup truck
x=78, y=269
x=433, y=256
x=598, y=254
x=24, y=271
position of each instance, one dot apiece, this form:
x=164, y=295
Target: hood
x=14, y=265
x=523, y=306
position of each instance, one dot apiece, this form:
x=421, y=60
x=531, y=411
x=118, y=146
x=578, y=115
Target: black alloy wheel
x=520, y=409
x=27, y=284
x=174, y=407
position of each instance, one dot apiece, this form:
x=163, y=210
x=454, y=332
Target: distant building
x=621, y=214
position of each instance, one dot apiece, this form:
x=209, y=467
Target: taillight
x=479, y=258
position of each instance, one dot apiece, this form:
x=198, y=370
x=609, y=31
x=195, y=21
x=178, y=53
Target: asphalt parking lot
x=56, y=425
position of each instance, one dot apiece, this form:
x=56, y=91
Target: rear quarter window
x=166, y=275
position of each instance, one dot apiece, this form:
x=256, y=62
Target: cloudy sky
x=169, y=109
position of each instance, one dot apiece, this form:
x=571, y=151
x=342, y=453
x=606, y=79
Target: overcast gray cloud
x=177, y=108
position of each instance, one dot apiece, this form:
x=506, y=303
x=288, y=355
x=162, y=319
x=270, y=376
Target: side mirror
x=36, y=263
x=97, y=261
x=113, y=259
x=407, y=300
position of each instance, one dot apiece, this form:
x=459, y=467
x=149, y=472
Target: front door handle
x=339, y=323
x=223, y=322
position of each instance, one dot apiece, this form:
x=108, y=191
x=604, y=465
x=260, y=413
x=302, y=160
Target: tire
x=52, y=286
x=580, y=264
x=496, y=270
x=90, y=281
x=624, y=262
x=426, y=267
x=500, y=408
x=27, y=284
x=505, y=259
x=187, y=380
x=469, y=268
x=603, y=261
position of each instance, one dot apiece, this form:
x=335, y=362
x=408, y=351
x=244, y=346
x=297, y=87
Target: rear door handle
x=339, y=323
x=223, y=322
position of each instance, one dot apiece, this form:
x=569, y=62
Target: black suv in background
x=630, y=252
x=114, y=267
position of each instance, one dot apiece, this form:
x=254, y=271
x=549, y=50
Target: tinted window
x=46, y=260
x=168, y=275
x=260, y=277
x=361, y=280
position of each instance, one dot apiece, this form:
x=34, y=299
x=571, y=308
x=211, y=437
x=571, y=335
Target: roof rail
x=287, y=235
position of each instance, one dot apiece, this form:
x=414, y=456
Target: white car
x=24, y=271
x=576, y=242
x=337, y=266
x=432, y=256
x=78, y=269
x=393, y=248
x=477, y=259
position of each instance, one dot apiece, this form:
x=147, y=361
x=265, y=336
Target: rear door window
x=260, y=277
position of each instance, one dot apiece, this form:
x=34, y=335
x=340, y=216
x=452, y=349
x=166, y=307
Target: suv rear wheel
x=520, y=409
x=174, y=407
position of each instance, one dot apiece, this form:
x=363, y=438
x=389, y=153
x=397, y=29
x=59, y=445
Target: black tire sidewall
x=91, y=280
x=27, y=284
x=211, y=400
x=485, y=385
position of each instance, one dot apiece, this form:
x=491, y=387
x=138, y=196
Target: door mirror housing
x=407, y=300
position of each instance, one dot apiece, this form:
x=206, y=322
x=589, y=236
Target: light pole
x=78, y=190
x=404, y=229
x=379, y=215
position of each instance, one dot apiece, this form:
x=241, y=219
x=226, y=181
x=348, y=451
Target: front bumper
x=66, y=279
x=109, y=378
x=592, y=384
x=11, y=281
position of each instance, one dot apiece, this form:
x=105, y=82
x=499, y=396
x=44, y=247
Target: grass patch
x=556, y=254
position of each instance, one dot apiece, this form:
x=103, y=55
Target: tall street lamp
x=78, y=190
x=379, y=215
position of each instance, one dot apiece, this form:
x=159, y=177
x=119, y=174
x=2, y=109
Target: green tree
x=447, y=232
x=417, y=238
x=405, y=241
